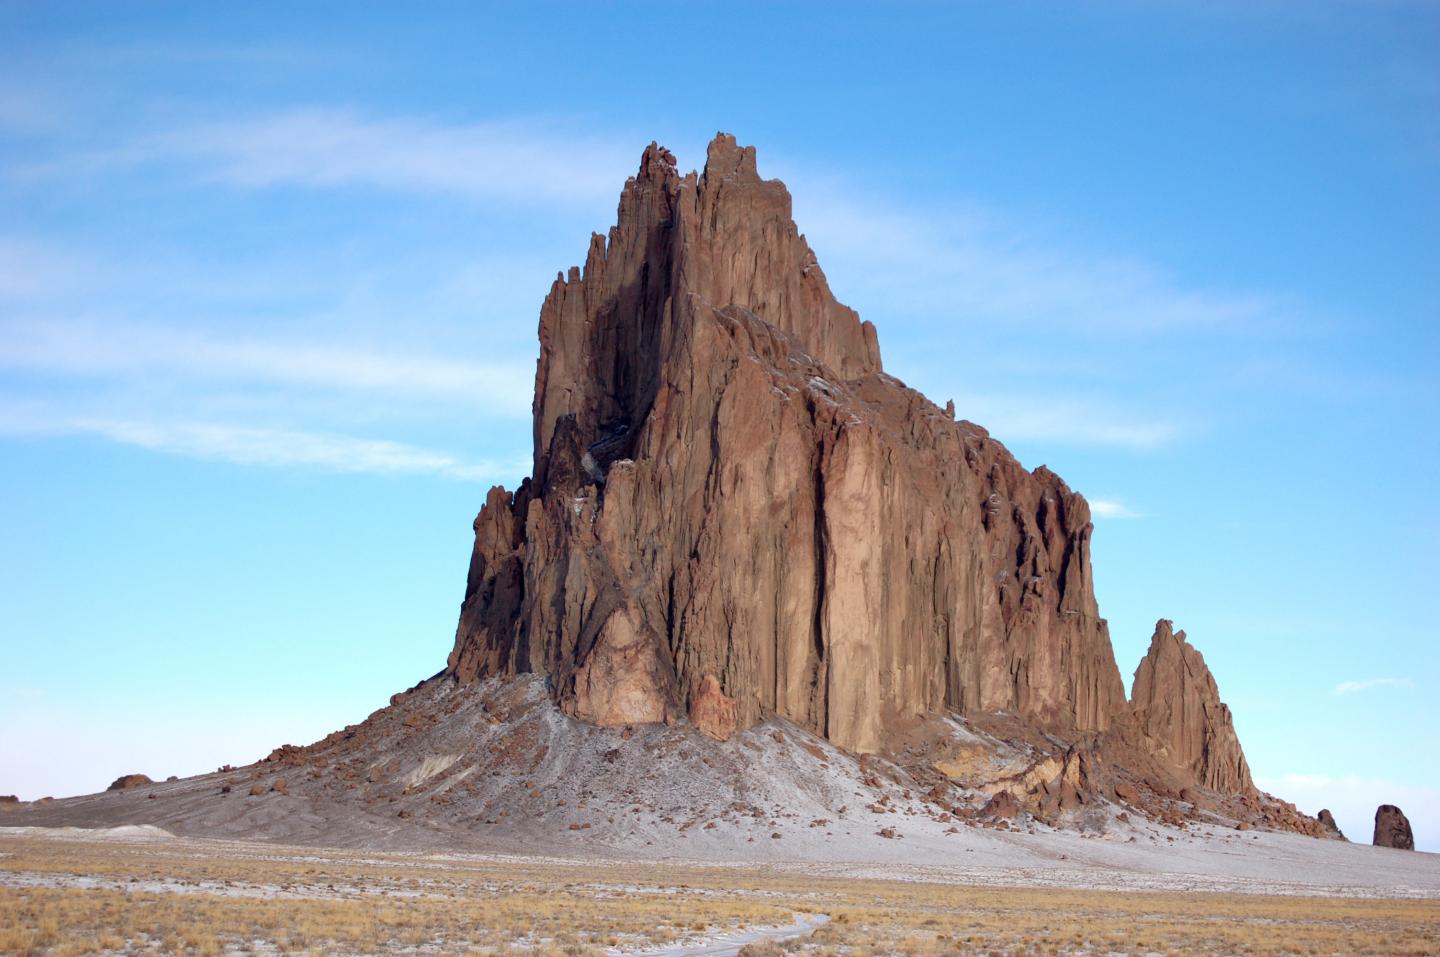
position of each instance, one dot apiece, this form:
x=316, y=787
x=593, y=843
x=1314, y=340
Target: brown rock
x=1327, y=822
x=127, y=781
x=726, y=484
x=1002, y=806
x=1392, y=828
x=1177, y=721
x=711, y=711
x=256, y=790
x=1126, y=793
x=287, y=755
x=1197, y=798
x=9, y=799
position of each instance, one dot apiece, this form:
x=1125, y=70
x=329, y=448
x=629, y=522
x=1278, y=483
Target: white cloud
x=251, y=445
x=1350, y=687
x=1353, y=801
x=327, y=148
x=1110, y=508
x=30, y=269
x=1064, y=420
x=119, y=350
x=976, y=266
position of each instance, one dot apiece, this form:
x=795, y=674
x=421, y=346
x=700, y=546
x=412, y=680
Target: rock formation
x=731, y=501
x=736, y=519
x=1392, y=828
x=1327, y=821
x=1177, y=721
x=127, y=781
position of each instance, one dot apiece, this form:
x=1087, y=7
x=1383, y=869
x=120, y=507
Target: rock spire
x=1177, y=719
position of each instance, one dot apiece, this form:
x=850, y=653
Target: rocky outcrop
x=712, y=711
x=733, y=506
x=127, y=781
x=1176, y=725
x=1392, y=828
x=1327, y=823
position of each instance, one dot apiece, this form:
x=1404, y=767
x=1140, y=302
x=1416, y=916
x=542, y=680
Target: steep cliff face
x=734, y=509
x=1177, y=720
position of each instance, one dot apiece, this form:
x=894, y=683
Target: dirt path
x=728, y=945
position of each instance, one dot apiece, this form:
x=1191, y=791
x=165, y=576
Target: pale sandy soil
x=67, y=892
x=500, y=771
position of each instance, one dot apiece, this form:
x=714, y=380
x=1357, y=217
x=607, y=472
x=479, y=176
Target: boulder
x=127, y=781
x=1392, y=828
x=1327, y=823
x=1002, y=806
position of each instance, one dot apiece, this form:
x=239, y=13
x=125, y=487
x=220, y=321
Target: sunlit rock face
x=1177, y=719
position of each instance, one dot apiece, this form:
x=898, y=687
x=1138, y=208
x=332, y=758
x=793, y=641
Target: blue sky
x=269, y=283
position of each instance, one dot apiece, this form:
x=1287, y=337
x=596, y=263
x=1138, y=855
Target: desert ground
x=491, y=824
x=139, y=890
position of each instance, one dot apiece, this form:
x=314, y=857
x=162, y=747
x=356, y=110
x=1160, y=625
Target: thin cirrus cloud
x=328, y=147
x=979, y=265
x=257, y=446
x=1111, y=508
x=31, y=270
x=247, y=445
x=1351, y=687
x=1072, y=420
x=972, y=265
x=186, y=372
x=120, y=351
x=932, y=269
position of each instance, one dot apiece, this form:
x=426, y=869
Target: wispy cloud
x=250, y=445
x=1111, y=508
x=327, y=148
x=1064, y=420
x=128, y=350
x=1350, y=687
x=980, y=266
x=31, y=269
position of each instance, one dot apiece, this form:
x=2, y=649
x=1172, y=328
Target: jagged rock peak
x=1176, y=706
x=725, y=238
x=735, y=513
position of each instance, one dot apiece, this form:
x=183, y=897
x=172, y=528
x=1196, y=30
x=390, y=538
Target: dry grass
x=199, y=898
